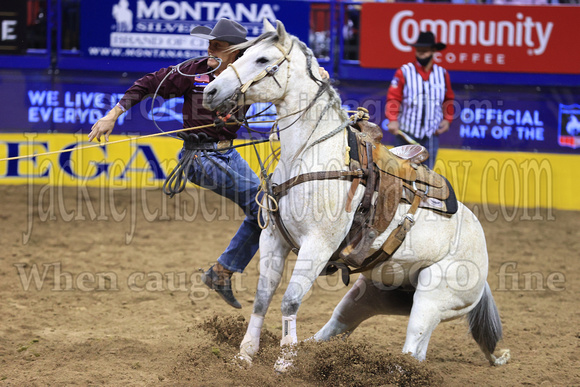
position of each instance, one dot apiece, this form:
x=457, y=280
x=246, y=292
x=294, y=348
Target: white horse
x=440, y=269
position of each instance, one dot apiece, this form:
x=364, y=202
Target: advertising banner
x=159, y=29
x=46, y=106
x=523, y=119
x=491, y=38
x=510, y=179
x=69, y=159
x=13, y=27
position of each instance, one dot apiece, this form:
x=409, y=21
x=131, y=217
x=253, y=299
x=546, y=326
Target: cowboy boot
x=219, y=279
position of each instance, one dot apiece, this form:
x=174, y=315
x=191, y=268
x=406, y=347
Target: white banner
x=144, y=40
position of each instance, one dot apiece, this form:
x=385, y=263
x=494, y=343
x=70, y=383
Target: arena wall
x=508, y=179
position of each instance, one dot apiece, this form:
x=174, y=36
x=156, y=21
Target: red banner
x=527, y=39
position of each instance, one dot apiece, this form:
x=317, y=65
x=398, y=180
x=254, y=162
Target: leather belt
x=221, y=146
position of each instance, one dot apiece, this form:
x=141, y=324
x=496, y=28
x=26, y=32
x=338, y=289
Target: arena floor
x=116, y=299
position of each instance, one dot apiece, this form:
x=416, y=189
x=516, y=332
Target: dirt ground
x=102, y=287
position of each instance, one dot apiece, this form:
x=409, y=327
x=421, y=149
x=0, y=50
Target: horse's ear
x=268, y=27
x=281, y=31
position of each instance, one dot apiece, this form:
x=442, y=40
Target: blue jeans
x=431, y=143
x=240, y=184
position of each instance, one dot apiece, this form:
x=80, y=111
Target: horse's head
x=260, y=75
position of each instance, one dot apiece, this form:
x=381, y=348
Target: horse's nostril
x=212, y=92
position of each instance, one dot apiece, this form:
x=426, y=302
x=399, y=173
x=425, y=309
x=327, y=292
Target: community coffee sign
x=533, y=39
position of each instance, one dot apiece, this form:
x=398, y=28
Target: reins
x=266, y=192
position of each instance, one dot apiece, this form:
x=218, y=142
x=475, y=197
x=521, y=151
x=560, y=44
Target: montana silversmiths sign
x=159, y=29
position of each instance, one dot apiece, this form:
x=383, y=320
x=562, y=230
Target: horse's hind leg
x=422, y=322
x=434, y=302
x=364, y=300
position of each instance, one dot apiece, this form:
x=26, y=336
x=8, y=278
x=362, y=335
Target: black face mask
x=423, y=62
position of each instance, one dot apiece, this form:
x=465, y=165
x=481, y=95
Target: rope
x=269, y=200
x=331, y=102
x=264, y=180
x=177, y=68
x=175, y=180
x=360, y=114
x=130, y=139
x=328, y=135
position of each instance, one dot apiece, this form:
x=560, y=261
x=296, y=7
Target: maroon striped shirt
x=177, y=85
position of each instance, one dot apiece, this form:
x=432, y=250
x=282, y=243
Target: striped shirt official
x=421, y=108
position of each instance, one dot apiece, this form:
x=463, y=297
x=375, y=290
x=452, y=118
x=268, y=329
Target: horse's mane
x=267, y=37
x=333, y=94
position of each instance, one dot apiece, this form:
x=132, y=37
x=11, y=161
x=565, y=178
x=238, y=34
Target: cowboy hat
x=225, y=30
x=427, y=39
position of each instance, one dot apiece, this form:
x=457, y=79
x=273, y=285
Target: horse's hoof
x=282, y=365
x=286, y=360
x=501, y=360
x=504, y=358
x=242, y=361
x=248, y=349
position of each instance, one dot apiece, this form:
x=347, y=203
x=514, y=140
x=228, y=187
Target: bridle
x=269, y=71
x=230, y=103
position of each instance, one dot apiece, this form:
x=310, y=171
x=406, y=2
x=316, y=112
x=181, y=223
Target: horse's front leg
x=312, y=258
x=273, y=252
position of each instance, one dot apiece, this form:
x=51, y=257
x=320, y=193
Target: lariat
x=177, y=178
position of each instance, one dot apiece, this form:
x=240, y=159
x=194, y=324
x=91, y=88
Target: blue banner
x=512, y=119
x=528, y=119
x=38, y=104
x=159, y=29
x=525, y=119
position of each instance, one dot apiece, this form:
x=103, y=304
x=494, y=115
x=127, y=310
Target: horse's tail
x=485, y=327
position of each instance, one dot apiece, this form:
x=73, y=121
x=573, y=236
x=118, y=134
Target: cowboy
x=420, y=99
x=223, y=171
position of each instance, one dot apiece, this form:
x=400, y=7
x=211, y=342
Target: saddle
x=391, y=177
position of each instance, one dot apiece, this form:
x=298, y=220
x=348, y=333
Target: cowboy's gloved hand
x=323, y=73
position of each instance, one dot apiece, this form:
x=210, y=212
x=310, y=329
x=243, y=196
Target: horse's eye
x=261, y=60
